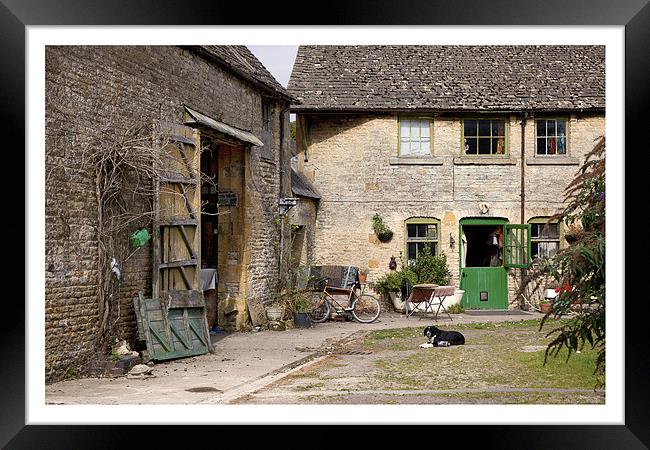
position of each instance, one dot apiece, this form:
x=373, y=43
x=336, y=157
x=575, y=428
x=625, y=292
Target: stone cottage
x=451, y=146
x=221, y=112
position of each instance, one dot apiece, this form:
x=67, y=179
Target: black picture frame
x=15, y=15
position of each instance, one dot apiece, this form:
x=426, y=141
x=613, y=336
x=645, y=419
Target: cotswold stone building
x=222, y=111
x=450, y=145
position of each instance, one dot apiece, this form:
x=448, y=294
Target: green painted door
x=485, y=287
x=483, y=276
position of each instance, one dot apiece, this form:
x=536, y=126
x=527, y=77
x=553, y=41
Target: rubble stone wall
x=91, y=89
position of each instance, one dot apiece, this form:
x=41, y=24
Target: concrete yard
x=274, y=366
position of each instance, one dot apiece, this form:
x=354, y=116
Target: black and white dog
x=436, y=335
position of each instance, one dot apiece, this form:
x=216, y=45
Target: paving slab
x=242, y=362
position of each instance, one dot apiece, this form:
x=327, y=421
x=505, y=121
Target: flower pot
x=274, y=313
x=546, y=307
x=301, y=320
x=385, y=236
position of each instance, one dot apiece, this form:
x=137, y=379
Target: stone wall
x=93, y=89
x=352, y=161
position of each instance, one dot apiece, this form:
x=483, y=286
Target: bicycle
x=364, y=308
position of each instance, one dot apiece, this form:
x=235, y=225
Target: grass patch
x=493, y=356
x=395, y=333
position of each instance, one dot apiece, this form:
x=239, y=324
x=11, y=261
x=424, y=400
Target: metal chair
x=430, y=295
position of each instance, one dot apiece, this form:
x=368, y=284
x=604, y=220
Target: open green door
x=488, y=248
x=517, y=246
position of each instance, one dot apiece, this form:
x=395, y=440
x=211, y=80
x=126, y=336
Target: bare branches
x=123, y=165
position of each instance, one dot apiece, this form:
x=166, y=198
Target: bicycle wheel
x=366, y=309
x=320, y=309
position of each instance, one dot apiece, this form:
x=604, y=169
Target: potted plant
x=300, y=307
x=382, y=231
x=363, y=276
x=550, y=294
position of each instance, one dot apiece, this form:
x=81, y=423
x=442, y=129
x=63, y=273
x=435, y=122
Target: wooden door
x=175, y=317
x=177, y=235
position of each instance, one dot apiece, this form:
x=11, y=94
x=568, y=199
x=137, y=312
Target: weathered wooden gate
x=173, y=321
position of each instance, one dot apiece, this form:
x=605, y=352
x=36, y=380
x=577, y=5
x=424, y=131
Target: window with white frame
x=544, y=237
x=414, y=137
x=551, y=137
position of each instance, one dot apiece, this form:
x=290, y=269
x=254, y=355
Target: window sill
x=404, y=161
x=484, y=160
x=552, y=161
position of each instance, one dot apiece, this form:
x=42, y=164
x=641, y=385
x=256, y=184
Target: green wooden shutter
x=517, y=246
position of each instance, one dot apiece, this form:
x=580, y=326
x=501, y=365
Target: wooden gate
x=174, y=320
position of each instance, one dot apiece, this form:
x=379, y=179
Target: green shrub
x=427, y=269
x=431, y=269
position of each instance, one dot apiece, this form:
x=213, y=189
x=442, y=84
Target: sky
x=278, y=59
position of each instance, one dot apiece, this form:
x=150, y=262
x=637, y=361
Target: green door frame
x=480, y=221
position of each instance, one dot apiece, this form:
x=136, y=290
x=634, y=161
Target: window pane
x=550, y=127
x=432, y=232
x=411, y=230
x=550, y=230
x=561, y=145
x=412, y=250
x=534, y=230
x=424, y=128
x=484, y=128
x=470, y=127
x=561, y=128
x=547, y=249
x=405, y=128
x=550, y=146
x=484, y=146
x=470, y=146
x=541, y=128
x=425, y=147
x=541, y=146
x=497, y=146
x=405, y=146
x=534, y=249
x=498, y=128
x=418, y=148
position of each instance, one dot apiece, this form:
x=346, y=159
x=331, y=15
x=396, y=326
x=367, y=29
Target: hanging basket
x=385, y=236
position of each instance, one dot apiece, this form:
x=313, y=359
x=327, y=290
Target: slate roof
x=455, y=78
x=301, y=186
x=239, y=59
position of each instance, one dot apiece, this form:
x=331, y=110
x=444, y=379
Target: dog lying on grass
x=435, y=336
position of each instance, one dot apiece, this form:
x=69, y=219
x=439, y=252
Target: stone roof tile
x=328, y=77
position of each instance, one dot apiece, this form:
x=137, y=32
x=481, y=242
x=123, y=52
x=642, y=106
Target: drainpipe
x=281, y=152
x=523, y=164
x=523, y=180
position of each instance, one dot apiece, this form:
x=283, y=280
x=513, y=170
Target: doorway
x=483, y=275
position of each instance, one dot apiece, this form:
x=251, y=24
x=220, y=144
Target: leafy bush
x=580, y=268
x=431, y=269
x=427, y=269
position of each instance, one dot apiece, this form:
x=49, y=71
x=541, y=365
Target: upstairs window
x=544, y=237
x=421, y=232
x=414, y=137
x=484, y=137
x=551, y=137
